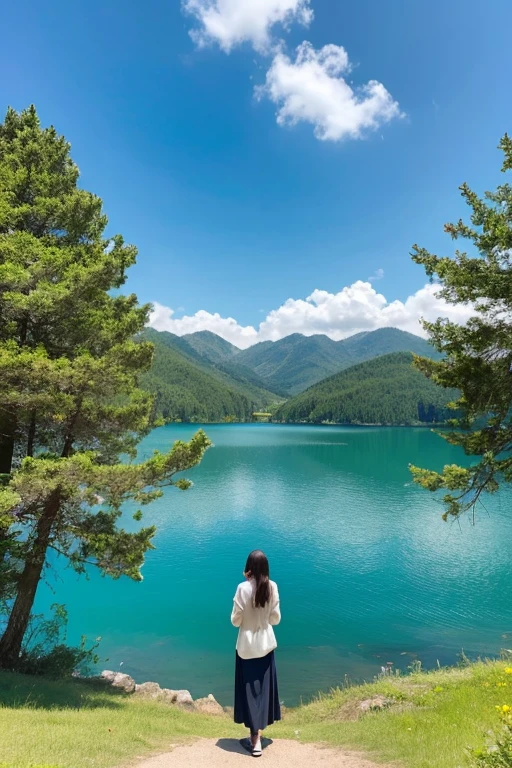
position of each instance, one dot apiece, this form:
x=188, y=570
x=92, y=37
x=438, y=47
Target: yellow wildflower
x=508, y=670
x=505, y=708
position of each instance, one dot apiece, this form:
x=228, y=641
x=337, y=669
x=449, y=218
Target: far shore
x=423, y=425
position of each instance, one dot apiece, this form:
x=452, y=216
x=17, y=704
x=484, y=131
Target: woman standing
x=256, y=610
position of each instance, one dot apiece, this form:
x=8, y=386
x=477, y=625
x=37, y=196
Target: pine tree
x=477, y=356
x=70, y=404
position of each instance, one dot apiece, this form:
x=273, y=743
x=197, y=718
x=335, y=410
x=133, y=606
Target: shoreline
x=404, y=664
x=419, y=425
x=152, y=691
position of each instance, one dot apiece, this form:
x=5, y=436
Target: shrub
x=46, y=653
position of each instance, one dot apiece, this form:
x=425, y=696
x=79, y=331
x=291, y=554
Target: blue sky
x=234, y=213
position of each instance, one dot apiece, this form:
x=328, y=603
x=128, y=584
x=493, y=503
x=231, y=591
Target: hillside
x=296, y=362
x=183, y=391
x=384, y=341
x=386, y=390
x=171, y=350
x=210, y=346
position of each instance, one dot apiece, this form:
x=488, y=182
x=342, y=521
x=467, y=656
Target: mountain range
x=203, y=377
x=296, y=362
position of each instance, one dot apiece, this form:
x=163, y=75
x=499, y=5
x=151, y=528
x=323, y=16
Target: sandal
x=256, y=750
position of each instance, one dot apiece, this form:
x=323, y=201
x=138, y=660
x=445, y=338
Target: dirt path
x=211, y=753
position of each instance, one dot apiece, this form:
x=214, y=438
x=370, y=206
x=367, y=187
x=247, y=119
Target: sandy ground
x=209, y=753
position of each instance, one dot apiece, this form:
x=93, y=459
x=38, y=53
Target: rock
x=184, y=699
x=168, y=696
x=165, y=695
x=148, y=690
x=123, y=681
x=118, y=680
x=208, y=706
x=378, y=702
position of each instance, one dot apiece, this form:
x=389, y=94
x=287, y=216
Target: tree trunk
x=11, y=642
x=31, y=435
x=7, y=435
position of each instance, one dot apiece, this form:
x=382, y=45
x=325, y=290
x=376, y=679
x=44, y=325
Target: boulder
x=108, y=675
x=184, y=698
x=168, y=696
x=165, y=695
x=123, y=681
x=378, y=702
x=148, y=690
x=208, y=706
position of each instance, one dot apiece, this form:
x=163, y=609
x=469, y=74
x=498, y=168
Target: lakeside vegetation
x=431, y=721
x=71, y=408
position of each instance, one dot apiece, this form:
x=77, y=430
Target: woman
x=256, y=610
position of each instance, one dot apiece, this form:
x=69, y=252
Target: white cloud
x=231, y=22
x=379, y=274
x=313, y=89
x=355, y=308
x=161, y=318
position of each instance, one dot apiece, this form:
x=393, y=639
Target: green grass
x=75, y=724
x=436, y=717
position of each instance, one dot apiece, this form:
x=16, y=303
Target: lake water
x=367, y=570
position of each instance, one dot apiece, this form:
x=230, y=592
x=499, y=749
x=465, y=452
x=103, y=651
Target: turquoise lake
x=368, y=572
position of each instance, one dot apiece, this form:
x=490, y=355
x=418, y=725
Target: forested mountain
x=183, y=391
x=238, y=375
x=386, y=390
x=296, y=362
x=293, y=363
x=383, y=341
x=210, y=346
x=190, y=387
x=228, y=371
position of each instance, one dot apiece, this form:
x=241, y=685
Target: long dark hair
x=257, y=568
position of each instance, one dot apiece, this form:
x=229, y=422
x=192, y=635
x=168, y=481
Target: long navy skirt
x=256, y=695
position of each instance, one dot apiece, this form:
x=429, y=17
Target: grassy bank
x=433, y=719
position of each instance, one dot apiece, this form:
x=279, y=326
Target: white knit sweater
x=256, y=636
